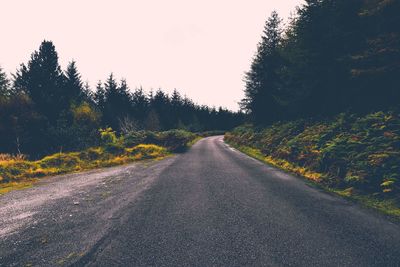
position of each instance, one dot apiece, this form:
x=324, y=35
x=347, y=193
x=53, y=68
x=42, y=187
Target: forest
x=322, y=97
x=333, y=56
x=45, y=109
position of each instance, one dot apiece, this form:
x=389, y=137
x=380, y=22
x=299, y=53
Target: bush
x=112, y=144
x=108, y=136
x=63, y=161
x=13, y=169
x=92, y=154
x=211, y=133
x=134, y=138
x=146, y=151
x=176, y=140
x=173, y=140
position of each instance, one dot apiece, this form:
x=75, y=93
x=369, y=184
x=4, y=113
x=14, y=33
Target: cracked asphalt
x=211, y=206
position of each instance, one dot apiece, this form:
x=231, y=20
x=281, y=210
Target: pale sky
x=200, y=47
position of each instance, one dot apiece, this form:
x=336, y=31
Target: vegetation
x=46, y=110
x=356, y=156
x=334, y=56
x=18, y=172
x=322, y=98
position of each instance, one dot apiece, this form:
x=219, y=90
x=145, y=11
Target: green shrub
x=108, y=136
x=92, y=154
x=146, y=151
x=173, y=140
x=61, y=161
x=112, y=144
x=13, y=169
x=134, y=138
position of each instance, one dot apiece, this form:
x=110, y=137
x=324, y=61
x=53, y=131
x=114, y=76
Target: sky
x=200, y=47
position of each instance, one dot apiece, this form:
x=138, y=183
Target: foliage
x=344, y=151
x=211, y=133
x=4, y=84
x=17, y=171
x=110, y=141
x=146, y=151
x=262, y=79
x=173, y=140
x=333, y=56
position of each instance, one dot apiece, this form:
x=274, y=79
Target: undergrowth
x=357, y=157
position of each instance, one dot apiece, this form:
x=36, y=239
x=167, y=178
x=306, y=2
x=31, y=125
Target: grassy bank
x=356, y=157
x=17, y=172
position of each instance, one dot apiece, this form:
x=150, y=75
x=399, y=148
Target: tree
x=73, y=84
x=4, y=84
x=117, y=102
x=263, y=81
x=152, y=122
x=43, y=80
x=326, y=33
x=22, y=129
x=100, y=96
x=87, y=93
x=377, y=63
x=140, y=106
x=176, y=108
x=160, y=104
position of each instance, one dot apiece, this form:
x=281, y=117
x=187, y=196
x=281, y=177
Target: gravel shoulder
x=59, y=219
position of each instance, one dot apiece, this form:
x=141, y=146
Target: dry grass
x=16, y=172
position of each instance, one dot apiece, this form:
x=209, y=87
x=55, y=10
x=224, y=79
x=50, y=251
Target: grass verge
x=385, y=206
x=18, y=173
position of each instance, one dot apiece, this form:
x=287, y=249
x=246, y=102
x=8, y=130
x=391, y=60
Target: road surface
x=211, y=206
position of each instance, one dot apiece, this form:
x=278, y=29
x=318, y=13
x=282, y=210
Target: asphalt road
x=212, y=206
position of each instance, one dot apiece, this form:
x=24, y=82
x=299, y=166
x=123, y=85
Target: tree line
x=333, y=56
x=44, y=109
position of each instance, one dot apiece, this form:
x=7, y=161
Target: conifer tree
x=4, y=83
x=262, y=81
x=43, y=80
x=73, y=84
x=99, y=96
x=140, y=105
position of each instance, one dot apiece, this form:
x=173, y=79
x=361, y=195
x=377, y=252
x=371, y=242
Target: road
x=211, y=206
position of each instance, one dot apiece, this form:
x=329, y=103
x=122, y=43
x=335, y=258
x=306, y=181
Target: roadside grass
x=21, y=173
x=385, y=206
x=10, y=186
x=354, y=157
x=16, y=172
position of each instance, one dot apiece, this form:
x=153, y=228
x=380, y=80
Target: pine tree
x=152, y=122
x=160, y=103
x=176, y=106
x=87, y=93
x=262, y=81
x=140, y=105
x=43, y=80
x=100, y=96
x=4, y=84
x=117, y=102
x=73, y=84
